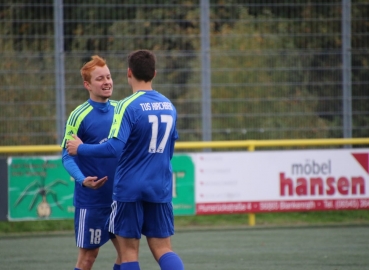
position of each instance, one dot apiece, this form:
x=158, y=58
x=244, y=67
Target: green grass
x=262, y=219
x=251, y=248
x=278, y=219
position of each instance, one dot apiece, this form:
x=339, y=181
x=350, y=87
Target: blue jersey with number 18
x=146, y=123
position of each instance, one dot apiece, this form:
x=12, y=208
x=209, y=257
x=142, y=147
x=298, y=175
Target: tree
x=254, y=88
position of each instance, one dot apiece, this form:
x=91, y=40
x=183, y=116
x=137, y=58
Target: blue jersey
x=91, y=122
x=146, y=123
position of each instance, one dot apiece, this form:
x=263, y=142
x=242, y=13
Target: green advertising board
x=183, y=185
x=39, y=188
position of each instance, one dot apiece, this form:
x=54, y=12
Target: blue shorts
x=131, y=219
x=90, y=227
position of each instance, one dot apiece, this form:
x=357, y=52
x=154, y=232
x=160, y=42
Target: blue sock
x=116, y=267
x=171, y=261
x=130, y=266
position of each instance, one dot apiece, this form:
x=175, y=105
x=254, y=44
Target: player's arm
x=72, y=168
x=173, y=141
x=69, y=163
x=111, y=148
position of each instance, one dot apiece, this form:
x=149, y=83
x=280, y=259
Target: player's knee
x=88, y=262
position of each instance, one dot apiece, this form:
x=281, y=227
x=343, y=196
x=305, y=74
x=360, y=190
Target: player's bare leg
x=86, y=258
x=161, y=249
x=159, y=246
x=118, y=260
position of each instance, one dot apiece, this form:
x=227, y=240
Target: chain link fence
x=276, y=69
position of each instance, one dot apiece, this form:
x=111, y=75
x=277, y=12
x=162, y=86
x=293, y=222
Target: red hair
x=96, y=61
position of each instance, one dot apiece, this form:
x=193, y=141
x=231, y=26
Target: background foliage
x=276, y=68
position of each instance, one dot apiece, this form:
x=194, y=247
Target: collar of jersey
x=102, y=106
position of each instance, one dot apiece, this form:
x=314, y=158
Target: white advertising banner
x=267, y=181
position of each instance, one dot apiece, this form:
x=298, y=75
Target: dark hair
x=142, y=65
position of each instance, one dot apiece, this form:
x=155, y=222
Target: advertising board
x=276, y=181
x=213, y=183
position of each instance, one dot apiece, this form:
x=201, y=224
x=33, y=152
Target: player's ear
x=86, y=84
x=129, y=73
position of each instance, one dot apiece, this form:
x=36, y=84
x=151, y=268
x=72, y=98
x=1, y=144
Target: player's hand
x=72, y=145
x=93, y=182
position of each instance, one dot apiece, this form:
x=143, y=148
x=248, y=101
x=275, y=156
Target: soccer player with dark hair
x=143, y=135
x=94, y=177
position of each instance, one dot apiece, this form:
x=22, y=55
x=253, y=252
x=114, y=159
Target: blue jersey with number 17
x=146, y=123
